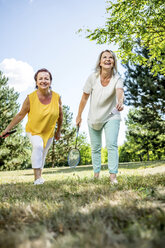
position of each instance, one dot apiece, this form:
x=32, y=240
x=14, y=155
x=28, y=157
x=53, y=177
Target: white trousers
x=38, y=151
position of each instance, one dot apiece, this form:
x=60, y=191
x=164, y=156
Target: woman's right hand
x=4, y=132
x=82, y=105
x=78, y=121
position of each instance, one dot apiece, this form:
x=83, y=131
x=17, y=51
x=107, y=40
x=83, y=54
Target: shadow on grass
x=122, y=225
x=108, y=224
x=84, y=209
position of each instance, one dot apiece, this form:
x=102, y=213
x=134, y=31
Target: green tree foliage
x=104, y=155
x=130, y=151
x=143, y=88
x=129, y=20
x=146, y=125
x=146, y=93
x=14, y=150
x=143, y=141
x=85, y=149
x=57, y=155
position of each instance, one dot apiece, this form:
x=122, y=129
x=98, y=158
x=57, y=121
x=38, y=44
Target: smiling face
x=107, y=61
x=43, y=80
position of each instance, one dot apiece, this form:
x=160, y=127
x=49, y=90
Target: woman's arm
x=59, y=122
x=24, y=110
x=82, y=105
x=120, y=99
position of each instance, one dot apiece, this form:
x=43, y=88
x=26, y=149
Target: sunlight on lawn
x=61, y=173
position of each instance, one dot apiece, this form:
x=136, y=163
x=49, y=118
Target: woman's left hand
x=57, y=135
x=120, y=106
x=120, y=99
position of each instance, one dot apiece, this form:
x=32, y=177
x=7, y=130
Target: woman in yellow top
x=44, y=109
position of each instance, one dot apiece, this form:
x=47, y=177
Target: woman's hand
x=120, y=99
x=120, y=106
x=4, y=132
x=24, y=110
x=82, y=105
x=78, y=121
x=57, y=135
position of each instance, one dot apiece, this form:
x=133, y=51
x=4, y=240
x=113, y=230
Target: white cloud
x=19, y=73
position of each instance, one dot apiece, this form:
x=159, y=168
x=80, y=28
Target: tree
x=85, y=149
x=143, y=88
x=130, y=151
x=146, y=92
x=14, y=150
x=104, y=155
x=129, y=20
x=142, y=140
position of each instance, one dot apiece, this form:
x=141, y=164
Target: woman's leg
x=45, y=151
x=37, y=154
x=111, y=129
x=37, y=174
x=96, y=143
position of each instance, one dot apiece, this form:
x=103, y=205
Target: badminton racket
x=74, y=154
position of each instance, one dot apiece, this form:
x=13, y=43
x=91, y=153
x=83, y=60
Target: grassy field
x=73, y=210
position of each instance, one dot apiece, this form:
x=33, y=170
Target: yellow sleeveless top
x=42, y=118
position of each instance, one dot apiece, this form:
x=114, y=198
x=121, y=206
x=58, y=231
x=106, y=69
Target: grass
x=73, y=210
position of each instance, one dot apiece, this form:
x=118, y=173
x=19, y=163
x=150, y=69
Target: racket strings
x=73, y=157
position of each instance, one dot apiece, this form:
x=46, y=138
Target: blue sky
x=43, y=33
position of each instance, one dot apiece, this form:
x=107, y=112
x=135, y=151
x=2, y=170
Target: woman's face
x=107, y=61
x=43, y=80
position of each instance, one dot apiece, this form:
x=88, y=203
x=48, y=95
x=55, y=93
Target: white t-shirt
x=102, y=99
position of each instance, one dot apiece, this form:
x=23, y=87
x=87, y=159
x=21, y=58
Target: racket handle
x=8, y=133
x=77, y=136
x=77, y=131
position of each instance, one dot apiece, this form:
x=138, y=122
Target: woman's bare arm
x=82, y=105
x=24, y=110
x=59, y=122
x=120, y=99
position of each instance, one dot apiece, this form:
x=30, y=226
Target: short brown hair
x=42, y=70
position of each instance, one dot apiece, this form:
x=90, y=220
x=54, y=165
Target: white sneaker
x=39, y=181
x=42, y=180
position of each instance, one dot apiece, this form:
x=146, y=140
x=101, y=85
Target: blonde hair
x=98, y=67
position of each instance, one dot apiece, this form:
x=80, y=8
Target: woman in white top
x=105, y=88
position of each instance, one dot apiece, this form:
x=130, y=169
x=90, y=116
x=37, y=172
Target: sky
x=44, y=34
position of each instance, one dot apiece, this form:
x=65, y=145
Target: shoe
x=96, y=175
x=42, y=180
x=114, y=181
x=39, y=181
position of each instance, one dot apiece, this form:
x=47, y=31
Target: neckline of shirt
x=110, y=81
x=43, y=103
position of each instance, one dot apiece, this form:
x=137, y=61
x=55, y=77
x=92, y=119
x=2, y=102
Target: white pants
x=38, y=151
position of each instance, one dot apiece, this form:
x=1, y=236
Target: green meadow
x=71, y=209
